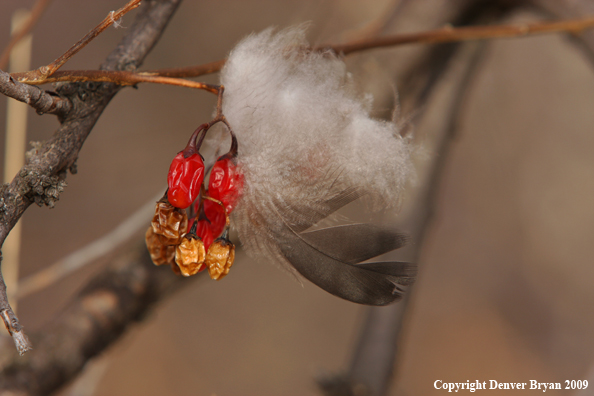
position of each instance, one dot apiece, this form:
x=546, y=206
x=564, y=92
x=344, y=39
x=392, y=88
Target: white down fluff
x=304, y=135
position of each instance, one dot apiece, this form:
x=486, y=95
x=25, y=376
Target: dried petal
x=189, y=255
x=169, y=222
x=219, y=258
x=160, y=253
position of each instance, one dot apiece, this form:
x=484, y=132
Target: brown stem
x=233, y=150
x=191, y=71
x=193, y=145
x=36, y=12
x=117, y=77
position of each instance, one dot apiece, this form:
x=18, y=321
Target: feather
x=328, y=258
x=354, y=243
x=370, y=283
x=307, y=146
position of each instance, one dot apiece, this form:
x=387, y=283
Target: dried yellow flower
x=219, y=258
x=189, y=255
x=160, y=253
x=169, y=222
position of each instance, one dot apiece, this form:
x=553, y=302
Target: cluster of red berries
x=206, y=245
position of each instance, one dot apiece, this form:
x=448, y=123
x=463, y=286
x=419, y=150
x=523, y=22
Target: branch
x=43, y=177
x=43, y=102
x=96, y=317
x=449, y=34
x=374, y=356
x=122, y=78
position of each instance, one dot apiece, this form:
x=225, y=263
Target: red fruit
x=186, y=173
x=185, y=179
x=216, y=214
x=204, y=231
x=226, y=182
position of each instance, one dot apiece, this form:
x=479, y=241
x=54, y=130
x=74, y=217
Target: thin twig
x=450, y=34
x=21, y=341
x=190, y=71
x=36, y=12
x=447, y=34
x=39, y=75
x=117, y=77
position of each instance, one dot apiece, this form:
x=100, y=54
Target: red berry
x=226, y=182
x=186, y=172
x=185, y=179
x=204, y=231
x=216, y=214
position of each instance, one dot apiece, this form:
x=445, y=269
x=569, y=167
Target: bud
x=169, y=222
x=219, y=258
x=160, y=253
x=189, y=255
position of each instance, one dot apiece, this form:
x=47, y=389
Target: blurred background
x=505, y=286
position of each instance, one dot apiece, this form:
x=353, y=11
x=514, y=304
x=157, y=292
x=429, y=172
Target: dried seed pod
x=160, y=253
x=174, y=266
x=169, y=222
x=220, y=257
x=189, y=255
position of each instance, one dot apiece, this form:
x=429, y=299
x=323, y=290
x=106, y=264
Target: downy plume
x=308, y=146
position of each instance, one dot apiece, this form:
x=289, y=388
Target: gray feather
x=329, y=257
x=354, y=243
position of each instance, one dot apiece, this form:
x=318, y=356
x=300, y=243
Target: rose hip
x=226, y=179
x=216, y=214
x=186, y=173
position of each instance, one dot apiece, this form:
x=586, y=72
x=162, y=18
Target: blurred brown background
x=505, y=287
